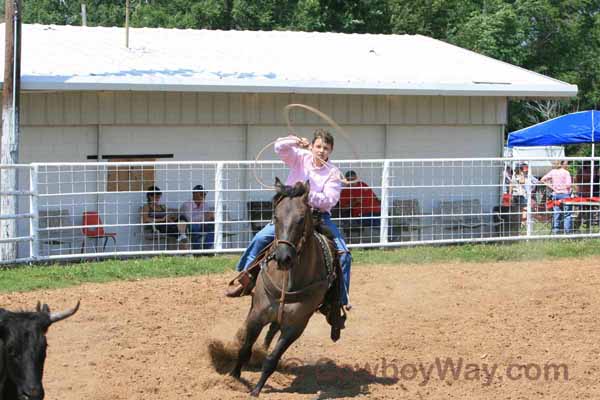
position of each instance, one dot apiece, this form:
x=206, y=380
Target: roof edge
x=474, y=89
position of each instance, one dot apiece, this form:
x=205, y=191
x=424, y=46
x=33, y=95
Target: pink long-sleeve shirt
x=325, y=183
x=561, y=180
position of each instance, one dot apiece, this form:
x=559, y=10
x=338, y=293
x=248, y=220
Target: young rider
x=307, y=161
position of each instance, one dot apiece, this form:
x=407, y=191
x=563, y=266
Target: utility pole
x=9, y=150
x=127, y=24
x=83, y=15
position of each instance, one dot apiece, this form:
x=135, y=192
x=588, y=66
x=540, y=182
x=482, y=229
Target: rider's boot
x=244, y=283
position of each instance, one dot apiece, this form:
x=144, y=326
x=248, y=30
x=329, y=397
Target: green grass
x=474, y=253
x=56, y=276
x=26, y=278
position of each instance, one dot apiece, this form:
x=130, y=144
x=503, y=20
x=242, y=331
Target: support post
x=219, y=211
x=9, y=148
x=127, y=24
x=83, y=15
x=385, y=184
x=528, y=192
x=34, y=225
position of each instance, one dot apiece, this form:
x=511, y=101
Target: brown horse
x=296, y=256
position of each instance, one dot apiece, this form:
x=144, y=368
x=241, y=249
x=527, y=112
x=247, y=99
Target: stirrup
x=234, y=291
x=242, y=285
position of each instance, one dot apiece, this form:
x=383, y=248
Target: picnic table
x=574, y=201
x=584, y=209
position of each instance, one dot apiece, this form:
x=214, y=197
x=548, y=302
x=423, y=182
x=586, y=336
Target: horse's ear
x=278, y=184
x=306, y=191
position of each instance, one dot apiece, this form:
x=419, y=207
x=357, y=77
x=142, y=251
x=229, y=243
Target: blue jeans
x=559, y=214
x=267, y=234
x=202, y=235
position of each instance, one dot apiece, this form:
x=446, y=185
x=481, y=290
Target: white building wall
x=157, y=108
x=209, y=126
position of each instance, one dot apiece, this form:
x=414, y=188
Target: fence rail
x=94, y=209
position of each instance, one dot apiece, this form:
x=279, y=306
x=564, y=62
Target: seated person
x=361, y=201
x=171, y=224
x=202, y=216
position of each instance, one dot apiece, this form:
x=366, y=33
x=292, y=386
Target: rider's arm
x=287, y=149
x=330, y=195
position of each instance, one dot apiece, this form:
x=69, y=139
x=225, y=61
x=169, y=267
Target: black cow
x=23, y=351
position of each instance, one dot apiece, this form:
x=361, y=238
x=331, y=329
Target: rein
x=297, y=249
x=292, y=297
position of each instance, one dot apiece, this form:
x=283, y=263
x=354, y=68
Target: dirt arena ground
x=157, y=339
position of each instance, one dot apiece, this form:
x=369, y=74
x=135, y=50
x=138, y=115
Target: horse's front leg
x=254, y=326
x=289, y=334
x=273, y=329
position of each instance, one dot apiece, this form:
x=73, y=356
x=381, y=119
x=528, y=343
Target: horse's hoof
x=255, y=393
x=235, y=374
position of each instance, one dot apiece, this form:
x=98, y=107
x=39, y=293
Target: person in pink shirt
x=306, y=162
x=559, y=180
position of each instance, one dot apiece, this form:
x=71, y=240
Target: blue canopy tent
x=575, y=128
x=579, y=127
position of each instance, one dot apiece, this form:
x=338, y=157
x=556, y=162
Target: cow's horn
x=58, y=316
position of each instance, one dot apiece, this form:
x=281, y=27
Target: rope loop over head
x=325, y=117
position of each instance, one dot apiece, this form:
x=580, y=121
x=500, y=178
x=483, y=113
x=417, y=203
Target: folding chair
x=93, y=229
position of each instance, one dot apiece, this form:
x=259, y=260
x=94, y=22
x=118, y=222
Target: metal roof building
x=83, y=58
x=218, y=95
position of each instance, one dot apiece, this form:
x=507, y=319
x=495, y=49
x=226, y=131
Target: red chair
x=93, y=230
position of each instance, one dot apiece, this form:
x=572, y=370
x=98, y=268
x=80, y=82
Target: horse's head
x=292, y=218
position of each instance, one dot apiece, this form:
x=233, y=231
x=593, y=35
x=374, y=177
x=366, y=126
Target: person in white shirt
x=201, y=216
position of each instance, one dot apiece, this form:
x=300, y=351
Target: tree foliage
x=558, y=38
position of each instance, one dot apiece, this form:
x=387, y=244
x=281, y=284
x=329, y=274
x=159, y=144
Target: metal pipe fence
x=96, y=209
x=11, y=237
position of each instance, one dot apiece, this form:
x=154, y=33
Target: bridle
x=298, y=250
x=298, y=246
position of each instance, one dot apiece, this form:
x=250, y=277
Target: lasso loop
x=330, y=121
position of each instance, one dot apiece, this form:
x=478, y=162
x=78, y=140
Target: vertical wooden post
x=9, y=150
x=83, y=15
x=127, y=24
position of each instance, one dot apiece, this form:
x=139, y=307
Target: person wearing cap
x=201, y=215
x=359, y=198
x=156, y=214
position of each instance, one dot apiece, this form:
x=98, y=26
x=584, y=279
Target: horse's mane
x=299, y=189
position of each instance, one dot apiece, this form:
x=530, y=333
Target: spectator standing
x=560, y=182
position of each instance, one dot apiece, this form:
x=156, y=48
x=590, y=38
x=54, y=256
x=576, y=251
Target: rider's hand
x=304, y=143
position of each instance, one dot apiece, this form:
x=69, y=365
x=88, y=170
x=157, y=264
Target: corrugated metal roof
x=85, y=58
